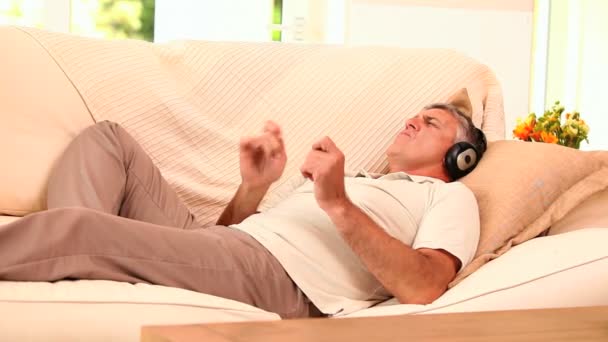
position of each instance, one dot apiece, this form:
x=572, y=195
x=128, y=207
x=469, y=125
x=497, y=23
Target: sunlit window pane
x=114, y=19
x=277, y=19
x=22, y=12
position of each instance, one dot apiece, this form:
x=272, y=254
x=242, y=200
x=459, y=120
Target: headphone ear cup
x=460, y=159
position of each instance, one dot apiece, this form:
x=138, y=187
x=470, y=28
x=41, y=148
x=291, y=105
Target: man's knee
x=103, y=129
x=105, y=133
x=108, y=129
x=106, y=124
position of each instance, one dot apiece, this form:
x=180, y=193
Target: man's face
x=424, y=141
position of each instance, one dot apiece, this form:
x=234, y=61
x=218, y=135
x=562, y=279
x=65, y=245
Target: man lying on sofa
x=336, y=245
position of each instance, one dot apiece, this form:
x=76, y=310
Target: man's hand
x=324, y=165
x=263, y=157
x=263, y=160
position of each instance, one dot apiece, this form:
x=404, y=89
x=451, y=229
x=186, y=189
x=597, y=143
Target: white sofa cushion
x=40, y=113
x=8, y=219
x=100, y=310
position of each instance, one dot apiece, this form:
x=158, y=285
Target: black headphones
x=463, y=157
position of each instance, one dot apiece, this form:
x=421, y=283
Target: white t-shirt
x=418, y=211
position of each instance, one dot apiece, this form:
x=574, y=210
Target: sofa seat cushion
x=8, y=219
x=99, y=310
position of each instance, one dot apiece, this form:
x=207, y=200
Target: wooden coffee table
x=566, y=324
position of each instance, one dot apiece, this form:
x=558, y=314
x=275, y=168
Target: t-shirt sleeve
x=451, y=223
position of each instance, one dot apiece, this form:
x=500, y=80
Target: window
x=22, y=12
x=277, y=19
x=114, y=19
x=93, y=18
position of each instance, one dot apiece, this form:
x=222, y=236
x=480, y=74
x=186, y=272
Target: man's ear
x=461, y=100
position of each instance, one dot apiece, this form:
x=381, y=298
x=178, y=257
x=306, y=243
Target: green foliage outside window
x=96, y=18
x=22, y=13
x=122, y=18
x=277, y=18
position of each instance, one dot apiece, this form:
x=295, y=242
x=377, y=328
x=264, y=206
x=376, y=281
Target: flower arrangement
x=549, y=128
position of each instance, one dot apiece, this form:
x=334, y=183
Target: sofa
x=188, y=102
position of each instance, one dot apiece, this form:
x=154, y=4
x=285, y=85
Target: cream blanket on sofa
x=188, y=102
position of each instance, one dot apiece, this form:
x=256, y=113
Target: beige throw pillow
x=462, y=101
x=522, y=188
x=592, y=213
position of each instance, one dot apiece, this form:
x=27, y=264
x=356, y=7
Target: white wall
x=500, y=38
x=233, y=20
x=57, y=15
x=315, y=21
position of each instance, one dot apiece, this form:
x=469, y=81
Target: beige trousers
x=113, y=216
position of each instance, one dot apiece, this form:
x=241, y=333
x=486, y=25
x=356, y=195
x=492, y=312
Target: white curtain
x=577, y=71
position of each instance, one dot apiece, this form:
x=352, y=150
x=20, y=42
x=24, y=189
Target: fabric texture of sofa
x=187, y=103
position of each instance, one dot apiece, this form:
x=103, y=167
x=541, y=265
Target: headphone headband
x=481, y=143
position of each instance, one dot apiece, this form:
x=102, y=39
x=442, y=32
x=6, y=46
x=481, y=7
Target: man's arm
x=413, y=276
x=244, y=204
x=262, y=160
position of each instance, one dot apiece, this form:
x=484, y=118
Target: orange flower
x=524, y=128
x=522, y=132
x=548, y=137
x=550, y=129
x=535, y=136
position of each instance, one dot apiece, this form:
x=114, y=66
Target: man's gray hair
x=466, y=128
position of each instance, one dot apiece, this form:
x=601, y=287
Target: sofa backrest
x=187, y=103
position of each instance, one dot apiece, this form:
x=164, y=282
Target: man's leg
x=68, y=243
x=105, y=169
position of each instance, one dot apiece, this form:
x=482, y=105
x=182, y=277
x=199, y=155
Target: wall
x=235, y=20
x=497, y=33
